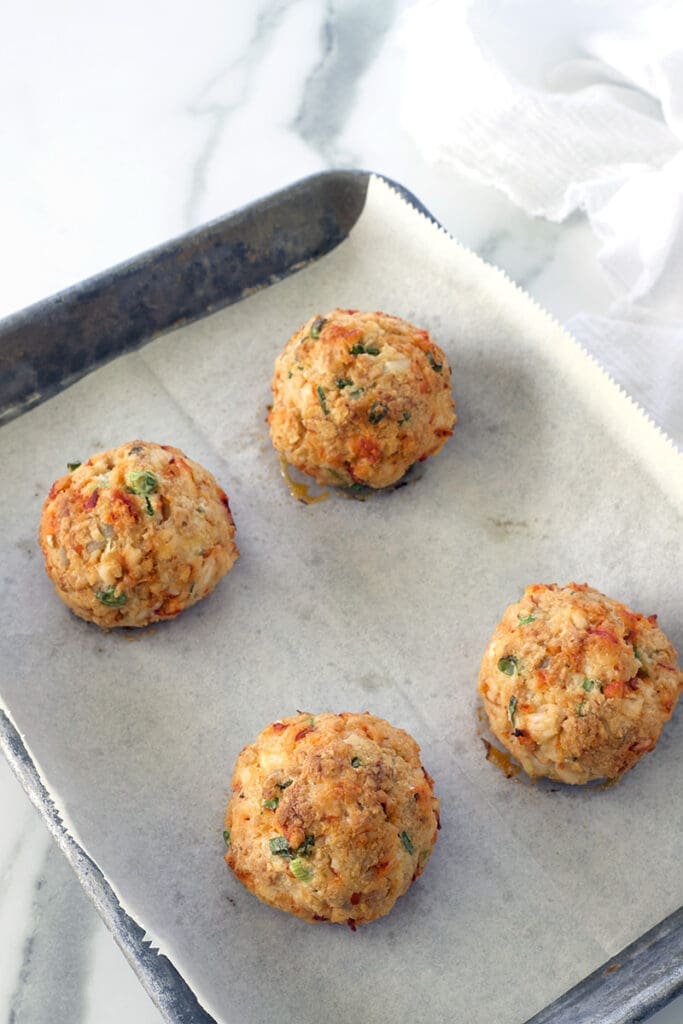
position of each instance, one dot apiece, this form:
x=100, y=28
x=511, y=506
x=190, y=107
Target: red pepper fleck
x=303, y=732
x=224, y=500
x=92, y=500
x=168, y=613
x=127, y=501
x=278, y=726
x=603, y=632
x=351, y=923
x=367, y=448
x=355, y=898
x=317, y=917
x=349, y=469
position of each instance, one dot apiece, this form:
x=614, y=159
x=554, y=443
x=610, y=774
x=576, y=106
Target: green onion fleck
x=509, y=665
x=355, y=762
x=283, y=785
x=405, y=418
x=581, y=709
x=109, y=597
x=343, y=382
x=363, y=350
x=524, y=620
x=150, y=508
x=305, y=849
x=317, y=326
x=72, y=465
x=512, y=710
x=279, y=847
x=642, y=671
x=271, y=804
x=378, y=411
x=321, y=399
x=639, y=657
x=300, y=870
x=142, y=482
x=405, y=839
x=356, y=393
x=289, y=374
x=437, y=367
x=590, y=684
x=226, y=836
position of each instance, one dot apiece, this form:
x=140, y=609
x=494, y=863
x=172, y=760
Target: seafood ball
x=359, y=397
x=331, y=816
x=136, y=534
x=576, y=685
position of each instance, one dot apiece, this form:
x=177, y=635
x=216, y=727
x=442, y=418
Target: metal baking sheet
x=50, y=346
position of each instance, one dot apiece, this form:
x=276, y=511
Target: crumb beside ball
x=331, y=816
x=136, y=534
x=359, y=397
x=577, y=686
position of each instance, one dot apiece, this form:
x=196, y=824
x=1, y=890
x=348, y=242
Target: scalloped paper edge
x=657, y=450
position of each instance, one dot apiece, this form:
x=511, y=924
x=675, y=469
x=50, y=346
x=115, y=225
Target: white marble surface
x=123, y=126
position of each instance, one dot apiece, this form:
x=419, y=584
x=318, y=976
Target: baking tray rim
x=643, y=977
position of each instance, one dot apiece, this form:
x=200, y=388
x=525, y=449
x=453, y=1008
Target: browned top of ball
x=332, y=816
x=136, y=534
x=576, y=685
x=359, y=397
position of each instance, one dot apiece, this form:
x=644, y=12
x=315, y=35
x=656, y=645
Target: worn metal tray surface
x=50, y=345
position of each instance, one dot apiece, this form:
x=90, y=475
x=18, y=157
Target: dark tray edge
x=643, y=977
x=57, y=341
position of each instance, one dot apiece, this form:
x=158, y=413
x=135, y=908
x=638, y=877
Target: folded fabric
x=569, y=106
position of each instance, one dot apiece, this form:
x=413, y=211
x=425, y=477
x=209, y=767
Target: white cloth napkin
x=573, y=105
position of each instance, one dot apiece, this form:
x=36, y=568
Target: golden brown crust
x=136, y=534
x=349, y=793
x=576, y=685
x=359, y=397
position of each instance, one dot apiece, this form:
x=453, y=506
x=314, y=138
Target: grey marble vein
x=523, y=261
x=352, y=35
x=50, y=986
x=10, y=860
x=247, y=64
